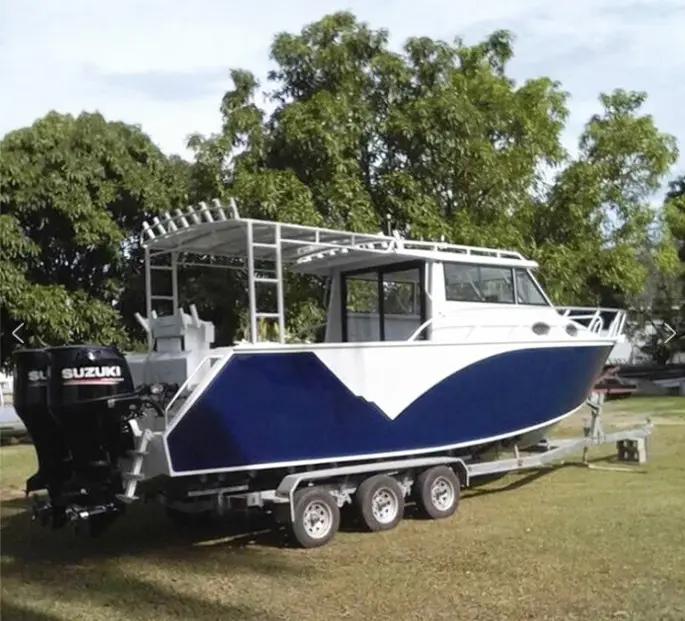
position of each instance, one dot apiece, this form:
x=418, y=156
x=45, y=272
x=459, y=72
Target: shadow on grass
x=110, y=590
x=477, y=487
x=16, y=612
x=523, y=478
x=88, y=571
x=142, y=530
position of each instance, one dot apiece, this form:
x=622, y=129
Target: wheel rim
x=384, y=506
x=317, y=519
x=442, y=494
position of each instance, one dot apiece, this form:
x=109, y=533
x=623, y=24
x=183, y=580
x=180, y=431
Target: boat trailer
x=93, y=482
x=310, y=502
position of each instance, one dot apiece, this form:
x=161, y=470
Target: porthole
x=571, y=329
x=541, y=328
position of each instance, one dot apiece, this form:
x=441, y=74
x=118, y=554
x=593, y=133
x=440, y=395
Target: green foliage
x=669, y=300
x=435, y=140
x=442, y=142
x=74, y=193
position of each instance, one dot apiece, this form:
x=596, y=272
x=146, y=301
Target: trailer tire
x=437, y=492
x=317, y=517
x=380, y=501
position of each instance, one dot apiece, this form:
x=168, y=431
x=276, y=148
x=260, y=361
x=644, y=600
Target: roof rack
x=217, y=230
x=212, y=229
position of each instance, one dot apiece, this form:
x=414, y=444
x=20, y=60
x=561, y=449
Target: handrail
x=423, y=326
x=596, y=324
x=185, y=384
x=472, y=327
x=594, y=315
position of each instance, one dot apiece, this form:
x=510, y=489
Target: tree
x=439, y=139
x=73, y=194
x=669, y=298
x=598, y=231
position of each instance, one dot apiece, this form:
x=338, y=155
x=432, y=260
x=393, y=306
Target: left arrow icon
x=15, y=335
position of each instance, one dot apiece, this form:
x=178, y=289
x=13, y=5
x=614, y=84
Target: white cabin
x=381, y=287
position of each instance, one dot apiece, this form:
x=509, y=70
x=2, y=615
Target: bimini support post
x=280, y=304
x=148, y=297
x=249, y=234
x=174, y=283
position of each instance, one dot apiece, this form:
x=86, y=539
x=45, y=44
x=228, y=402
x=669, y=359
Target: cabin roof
x=218, y=230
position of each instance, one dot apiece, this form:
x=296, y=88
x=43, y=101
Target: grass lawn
x=567, y=543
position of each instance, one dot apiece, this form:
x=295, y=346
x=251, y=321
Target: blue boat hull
x=275, y=409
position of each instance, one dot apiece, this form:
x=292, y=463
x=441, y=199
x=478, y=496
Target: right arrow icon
x=669, y=329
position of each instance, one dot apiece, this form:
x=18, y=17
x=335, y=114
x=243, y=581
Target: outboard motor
x=31, y=405
x=90, y=398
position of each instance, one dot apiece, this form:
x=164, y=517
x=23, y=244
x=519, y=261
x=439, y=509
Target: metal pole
x=174, y=281
x=148, y=297
x=251, y=283
x=279, y=285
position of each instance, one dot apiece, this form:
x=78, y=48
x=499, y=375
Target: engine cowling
x=90, y=392
x=32, y=367
x=76, y=401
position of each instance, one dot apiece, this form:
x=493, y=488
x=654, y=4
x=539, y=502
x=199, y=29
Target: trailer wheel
x=317, y=517
x=437, y=492
x=381, y=502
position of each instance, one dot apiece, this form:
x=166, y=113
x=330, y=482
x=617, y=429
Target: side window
x=383, y=304
x=478, y=283
x=362, y=305
x=497, y=284
x=400, y=293
x=527, y=291
x=461, y=283
x=362, y=293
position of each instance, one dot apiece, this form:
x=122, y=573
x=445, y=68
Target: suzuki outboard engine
x=31, y=405
x=90, y=398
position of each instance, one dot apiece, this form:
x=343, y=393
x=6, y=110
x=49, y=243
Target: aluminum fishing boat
x=429, y=351
x=427, y=347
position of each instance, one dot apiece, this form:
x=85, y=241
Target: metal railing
x=472, y=327
x=594, y=319
x=186, y=383
x=216, y=211
x=592, y=316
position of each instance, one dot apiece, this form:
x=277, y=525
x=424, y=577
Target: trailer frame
x=341, y=484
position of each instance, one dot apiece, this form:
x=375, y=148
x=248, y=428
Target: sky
x=165, y=65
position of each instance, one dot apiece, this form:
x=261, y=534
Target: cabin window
x=383, y=304
x=478, y=283
x=401, y=294
x=484, y=283
x=362, y=293
x=527, y=291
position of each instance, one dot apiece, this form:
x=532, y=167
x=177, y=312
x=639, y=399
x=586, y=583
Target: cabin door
x=383, y=304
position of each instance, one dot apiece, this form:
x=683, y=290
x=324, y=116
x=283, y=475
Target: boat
x=613, y=386
x=11, y=425
x=429, y=351
x=428, y=347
